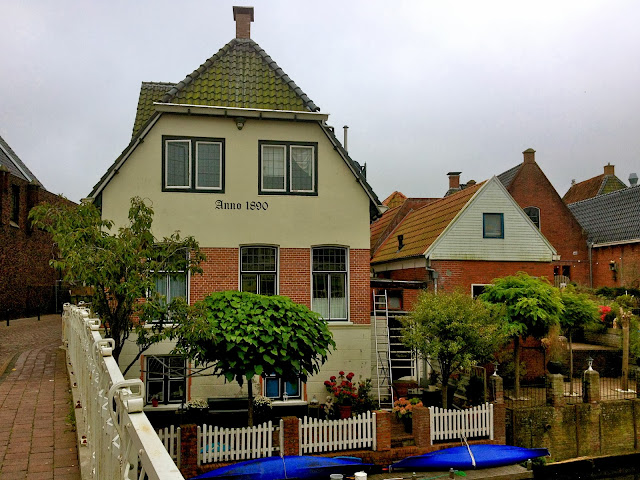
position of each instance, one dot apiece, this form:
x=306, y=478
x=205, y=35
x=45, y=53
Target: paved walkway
x=37, y=437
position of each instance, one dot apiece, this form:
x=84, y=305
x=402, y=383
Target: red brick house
x=613, y=230
x=607, y=182
x=28, y=285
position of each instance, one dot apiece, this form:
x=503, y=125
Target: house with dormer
x=237, y=155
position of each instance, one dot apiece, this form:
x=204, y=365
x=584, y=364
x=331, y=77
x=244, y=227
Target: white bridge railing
x=452, y=424
x=334, y=435
x=121, y=441
x=218, y=444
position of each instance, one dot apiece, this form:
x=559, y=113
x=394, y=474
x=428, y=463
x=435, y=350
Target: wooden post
x=624, y=320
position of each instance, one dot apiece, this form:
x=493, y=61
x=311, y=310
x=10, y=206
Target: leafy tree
x=532, y=306
x=243, y=335
x=455, y=329
x=579, y=311
x=121, y=268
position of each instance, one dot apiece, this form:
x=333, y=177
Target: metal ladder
x=384, y=378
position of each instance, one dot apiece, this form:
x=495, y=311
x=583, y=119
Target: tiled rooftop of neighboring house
x=149, y=92
x=13, y=164
x=604, y=183
x=507, y=177
x=421, y=227
x=611, y=217
x=394, y=200
x=378, y=227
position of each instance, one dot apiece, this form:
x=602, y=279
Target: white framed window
x=259, y=270
x=193, y=164
x=287, y=168
x=165, y=378
x=276, y=388
x=534, y=214
x=329, y=282
x=477, y=289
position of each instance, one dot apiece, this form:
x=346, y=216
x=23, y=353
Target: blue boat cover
x=481, y=456
x=280, y=468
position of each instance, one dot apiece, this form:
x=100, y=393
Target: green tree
x=532, y=306
x=455, y=329
x=243, y=335
x=579, y=311
x=121, y=268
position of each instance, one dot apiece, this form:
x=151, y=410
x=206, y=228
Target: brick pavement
x=37, y=440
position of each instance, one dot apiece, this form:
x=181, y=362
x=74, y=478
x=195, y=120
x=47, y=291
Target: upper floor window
x=258, y=270
x=493, y=225
x=288, y=167
x=193, y=164
x=15, y=204
x=329, y=296
x=534, y=214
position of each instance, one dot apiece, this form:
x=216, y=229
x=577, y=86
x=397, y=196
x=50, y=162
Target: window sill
x=162, y=408
x=281, y=403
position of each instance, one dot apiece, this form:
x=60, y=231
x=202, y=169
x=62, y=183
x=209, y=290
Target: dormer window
x=534, y=214
x=400, y=242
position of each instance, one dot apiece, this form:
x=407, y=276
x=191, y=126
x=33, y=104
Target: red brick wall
x=627, y=258
x=532, y=188
x=26, y=279
x=454, y=274
x=221, y=272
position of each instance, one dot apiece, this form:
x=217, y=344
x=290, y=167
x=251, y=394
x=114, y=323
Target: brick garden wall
x=627, y=258
x=26, y=279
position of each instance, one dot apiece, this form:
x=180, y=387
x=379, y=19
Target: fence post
x=497, y=388
x=383, y=430
x=591, y=386
x=421, y=426
x=189, y=450
x=555, y=389
x=291, y=437
x=500, y=423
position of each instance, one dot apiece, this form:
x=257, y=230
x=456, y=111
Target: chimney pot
x=609, y=169
x=454, y=180
x=243, y=17
x=529, y=155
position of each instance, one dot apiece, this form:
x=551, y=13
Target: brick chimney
x=609, y=169
x=243, y=17
x=454, y=180
x=529, y=155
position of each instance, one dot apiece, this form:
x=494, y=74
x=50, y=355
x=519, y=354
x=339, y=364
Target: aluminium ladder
x=383, y=351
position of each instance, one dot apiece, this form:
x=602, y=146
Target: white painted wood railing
x=170, y=437
x=334, y=435
x=121, y=442
x=452, y=424
x=216, y=444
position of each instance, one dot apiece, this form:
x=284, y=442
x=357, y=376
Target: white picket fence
x=170, y=437
x=333, y=435
x=452, y=424
x=216, y=444
x=120, y=441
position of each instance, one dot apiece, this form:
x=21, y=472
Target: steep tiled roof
x=507, y=177
x=241, y=75
x=378, y=227
x=592, y=187
x=421, y=227
x=12, y=162
x=612, y=217
x=394, y=200
x=149, y=92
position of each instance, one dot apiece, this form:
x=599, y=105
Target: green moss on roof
x=149, y=92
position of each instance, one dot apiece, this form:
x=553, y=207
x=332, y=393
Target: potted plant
x=262, y=407
x=154, y=400
x=403, y=409
x=342, y=392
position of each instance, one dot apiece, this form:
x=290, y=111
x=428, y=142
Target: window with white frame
x=288, y=167
x=276, y=388
x=193, y=164
x=534, y=214
x=329, y=278
x=478, y=289
x=165, y=378
x=259, y=270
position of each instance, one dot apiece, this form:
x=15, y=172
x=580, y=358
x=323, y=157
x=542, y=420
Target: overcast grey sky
x=425, y=87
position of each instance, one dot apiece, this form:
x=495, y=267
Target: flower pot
x=345, y=411
x=154, y=402
x=554, y=366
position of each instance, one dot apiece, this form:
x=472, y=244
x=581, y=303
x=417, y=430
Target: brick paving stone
x=35, y=441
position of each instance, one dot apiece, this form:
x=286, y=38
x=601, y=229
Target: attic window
x=400, y=242
x=534, y=214
x=493, y=225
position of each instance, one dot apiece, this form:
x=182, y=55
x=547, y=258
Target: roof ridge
x=604, y=195
x=279, y=72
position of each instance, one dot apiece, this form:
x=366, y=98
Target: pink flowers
x=403, y=408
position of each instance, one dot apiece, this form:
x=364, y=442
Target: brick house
x=28, y=285
x=607, y=182
x=237, y=155
x=611, y=223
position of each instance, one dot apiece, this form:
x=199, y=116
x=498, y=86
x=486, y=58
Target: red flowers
x=344, y=391
x=604, y=311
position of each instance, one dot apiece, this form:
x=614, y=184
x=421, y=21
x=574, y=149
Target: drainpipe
x=434, y=275
x=590, y=245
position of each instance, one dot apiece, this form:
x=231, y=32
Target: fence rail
x=170, y=437
x=217, y=444
x=334, y=435
x=472, y=423
x=120, y=440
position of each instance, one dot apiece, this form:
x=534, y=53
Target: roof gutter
x=261, y=113
x=621, y=242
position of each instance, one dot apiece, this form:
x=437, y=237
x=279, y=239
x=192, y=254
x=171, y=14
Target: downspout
x=434, y=275
x=590, y=245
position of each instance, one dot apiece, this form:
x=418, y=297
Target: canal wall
x=609, y=427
